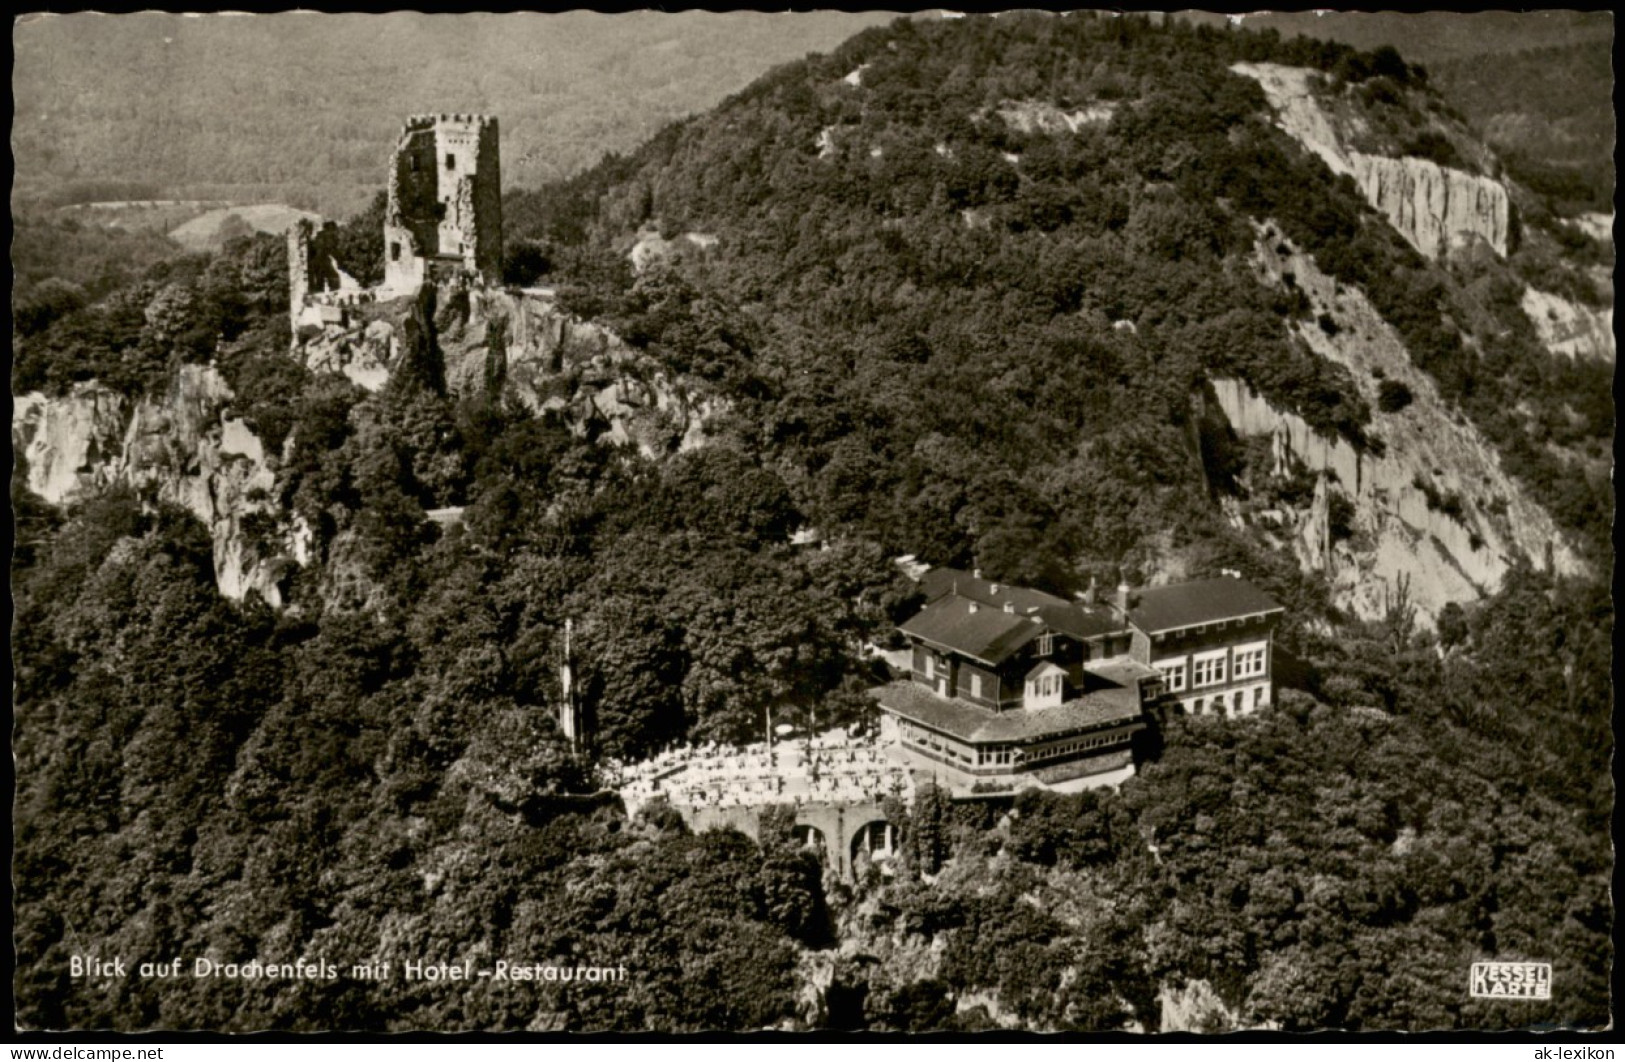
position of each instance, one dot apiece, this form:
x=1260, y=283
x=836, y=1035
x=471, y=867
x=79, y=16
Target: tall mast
x=569, y=722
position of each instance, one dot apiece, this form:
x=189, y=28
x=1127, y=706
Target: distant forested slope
x=1435, y=36
x=1541, y=109
x=305, y=106
x=1537, y=85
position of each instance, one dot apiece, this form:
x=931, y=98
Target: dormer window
x=1045, y=687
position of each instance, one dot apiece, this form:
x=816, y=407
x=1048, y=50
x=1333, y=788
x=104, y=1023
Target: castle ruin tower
x=445, y=202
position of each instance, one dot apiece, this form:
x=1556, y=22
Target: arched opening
x=809, y=836
x=877, y=840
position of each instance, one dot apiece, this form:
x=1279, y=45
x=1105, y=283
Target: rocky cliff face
x=67, y=442
x=1195, y=1007
x=549, y=361
x=1433, y=207
x=184, y=448
x=187, y=448
x=1436, y=512
x=1569, y=329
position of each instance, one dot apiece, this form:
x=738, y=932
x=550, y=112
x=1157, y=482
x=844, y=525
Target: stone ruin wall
x=410, y=225
x=436, y=212
x=488, y=202
x=312, y=268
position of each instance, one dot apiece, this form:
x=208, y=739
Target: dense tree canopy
x=914, y=345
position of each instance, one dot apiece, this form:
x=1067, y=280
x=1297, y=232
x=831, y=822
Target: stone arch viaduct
x=841, y=830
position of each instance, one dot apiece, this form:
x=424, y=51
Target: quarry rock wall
x=1435, y=511
x=1434, y=207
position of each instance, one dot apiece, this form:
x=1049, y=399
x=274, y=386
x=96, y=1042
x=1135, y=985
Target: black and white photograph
x=822, y=522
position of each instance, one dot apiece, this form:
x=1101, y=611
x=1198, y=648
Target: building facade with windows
x=1212, y=641
x=1010, y=687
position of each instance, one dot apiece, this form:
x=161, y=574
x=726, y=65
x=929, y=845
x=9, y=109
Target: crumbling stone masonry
x=312, y=268
x=445, y=202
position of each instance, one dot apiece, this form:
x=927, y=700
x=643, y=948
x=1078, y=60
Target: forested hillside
x=968, y=285
x=928, y=251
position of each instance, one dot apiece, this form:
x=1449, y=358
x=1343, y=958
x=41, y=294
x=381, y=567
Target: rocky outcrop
x=1436, y=512
x=1597, y=226
x=359, y=348
x=1040, y=116
x=67, y=441
x=1290, y=91
x=1569, y=329
x=1194, y=1007
x=1434, y=207
x=650, y=247
x=543, y=357
x=184, y=448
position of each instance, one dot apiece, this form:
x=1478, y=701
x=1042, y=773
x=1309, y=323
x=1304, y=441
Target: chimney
x=1091, y=596
x=1123, y=600
x=973, y=607
x=976, y=573
x=1009, y=606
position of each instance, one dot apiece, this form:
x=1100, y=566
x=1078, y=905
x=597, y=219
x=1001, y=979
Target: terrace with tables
x=830, y=768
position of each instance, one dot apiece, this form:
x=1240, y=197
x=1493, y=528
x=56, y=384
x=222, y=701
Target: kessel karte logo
x=1512, y=980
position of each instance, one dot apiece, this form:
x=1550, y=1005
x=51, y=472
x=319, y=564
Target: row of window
x=451, y=162
x=1207, y=671
x=1045, y=686
x=1202, y=628
x=978, y=687
x=1249, y=662
x=1210, y=669
x=926, y=739
x=1235, y=706
x=1067, y=748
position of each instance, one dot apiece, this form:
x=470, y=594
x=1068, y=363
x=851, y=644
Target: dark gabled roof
x=972, y=628
x=939, y=582
x=1060, y=615
x=1080, y=621
x=1166, y=608
x=973, y=723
